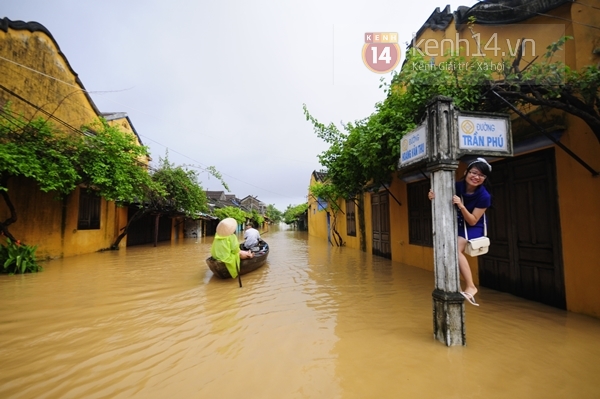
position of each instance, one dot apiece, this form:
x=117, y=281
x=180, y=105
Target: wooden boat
x=246, y=265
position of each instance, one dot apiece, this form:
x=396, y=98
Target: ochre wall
x=349, y=241
x=177, y=227
x=402, y=251
x=585, y=17
x=579, y=208
x=38, y=75
x=53, y=87
x=123, y=125
x=578, y=190
x=51, y=223
x=317, y=220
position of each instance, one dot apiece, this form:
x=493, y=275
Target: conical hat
x=226, y=227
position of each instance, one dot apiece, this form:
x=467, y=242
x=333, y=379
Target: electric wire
x=587, y=5
x=74, y=129
x=183, y=155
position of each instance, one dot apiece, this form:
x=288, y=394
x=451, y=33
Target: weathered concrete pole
x=448, y=303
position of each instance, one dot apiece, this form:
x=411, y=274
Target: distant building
x=252, y=203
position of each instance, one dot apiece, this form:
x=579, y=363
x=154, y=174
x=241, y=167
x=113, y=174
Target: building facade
x=544, y=197
x=38, y=81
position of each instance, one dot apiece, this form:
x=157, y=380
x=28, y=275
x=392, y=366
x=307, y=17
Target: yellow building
x=37, y=80
x=318, y=215
x=545, y=198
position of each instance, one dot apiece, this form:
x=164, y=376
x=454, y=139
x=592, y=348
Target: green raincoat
x=227, y=250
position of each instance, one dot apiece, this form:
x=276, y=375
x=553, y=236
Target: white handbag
x=477, y=246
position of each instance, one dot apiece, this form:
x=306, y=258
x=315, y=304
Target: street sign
x=413, y=146
x=485, y=135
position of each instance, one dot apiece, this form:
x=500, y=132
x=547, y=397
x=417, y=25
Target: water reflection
x=314, y=322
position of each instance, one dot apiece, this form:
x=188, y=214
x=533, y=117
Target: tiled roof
x=320, y=176
x=217, y=195
x=506, y=11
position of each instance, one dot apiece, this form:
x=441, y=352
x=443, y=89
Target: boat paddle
x=239, y=275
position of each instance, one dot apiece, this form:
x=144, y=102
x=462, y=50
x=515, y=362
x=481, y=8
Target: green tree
x=256, y=217
x=274, y=214
x=184, y=194
x=111, y=163
x=175, y=192
x=102, y=159
x=550, y=84
x=328, y=192
x=232, y=212
x=293, y=213
x=366, y=152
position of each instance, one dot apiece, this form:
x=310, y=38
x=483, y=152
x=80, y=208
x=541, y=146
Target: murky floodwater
x=315, y=322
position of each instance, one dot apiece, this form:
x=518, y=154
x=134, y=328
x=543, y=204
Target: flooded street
x=314, y=322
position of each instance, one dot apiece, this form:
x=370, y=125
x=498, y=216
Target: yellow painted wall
x=587, y=38
x=123, y=125
x=40, y=74
x=36, y=74
x=51, y=223
x=402, y=251
x=349, y=241
x=317, y=220
x=578, y=191
x=368, y=222
x=177, y=227
x=579, y=208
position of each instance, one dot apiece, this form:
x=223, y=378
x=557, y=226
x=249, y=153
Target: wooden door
x=525, y=257
x=380, y=214
x=143, y=230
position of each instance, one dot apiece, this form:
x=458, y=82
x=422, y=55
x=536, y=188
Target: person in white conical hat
x=226, y=247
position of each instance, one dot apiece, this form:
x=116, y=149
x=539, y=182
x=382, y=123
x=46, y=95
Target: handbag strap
x=484, y=225
x=464, y=221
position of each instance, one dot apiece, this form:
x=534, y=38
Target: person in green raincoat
x=226, y=247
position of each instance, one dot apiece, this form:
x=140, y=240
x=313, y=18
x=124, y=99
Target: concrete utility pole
x=448, y=303
x=439, y=142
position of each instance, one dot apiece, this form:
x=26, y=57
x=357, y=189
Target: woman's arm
x=470, y=218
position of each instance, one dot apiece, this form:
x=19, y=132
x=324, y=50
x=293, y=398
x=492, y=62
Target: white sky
x=222, y=83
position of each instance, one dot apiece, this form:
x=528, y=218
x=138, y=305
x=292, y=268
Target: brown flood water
x=315, y=322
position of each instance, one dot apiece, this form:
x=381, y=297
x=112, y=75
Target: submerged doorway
x=143, y=230
x=381, y=224
x=525, y=258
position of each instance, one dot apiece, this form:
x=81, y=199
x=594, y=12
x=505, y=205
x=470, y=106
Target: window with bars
x=89, y=210
x=419, y=214
x=350, y=218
